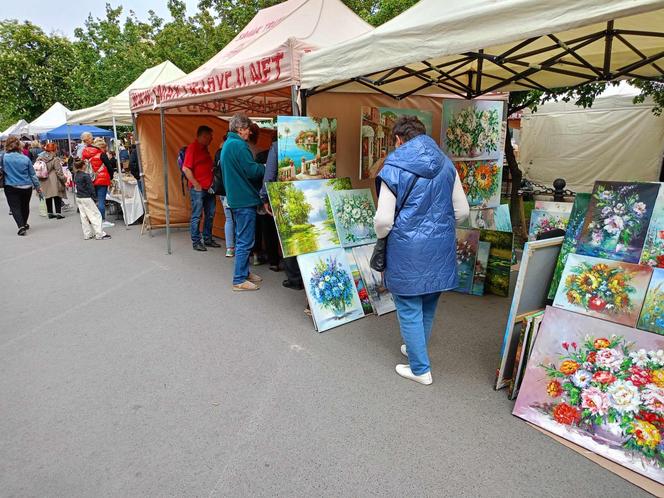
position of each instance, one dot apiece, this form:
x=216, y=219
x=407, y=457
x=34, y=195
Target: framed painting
x=376, y=135
x=481, y=262
x=328, y=282
x=652, y=313
x=481, y=181
x=467, y=246
x=307, y=148
x=362, y=292
x=303, y=214
x=472, y=129
x=500, y=261
x=574, y=226
x=353, y=212
x=379, y=296
x=653, y=248
x=497, y=218
x=599, y=385
x=617, y=220
x=603, y=288
x=547, y=216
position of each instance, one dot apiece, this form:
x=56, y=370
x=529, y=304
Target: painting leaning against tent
x=303, y=214
x=307, y=148
x=500, y=261
x=652, y=313
x=362, y=292
x=481, y=181
x=380, y=297
x=599, y=385
x=472, y=130
x=653, y=248
x=353, y=212
x=481, y=263
x=467, y=246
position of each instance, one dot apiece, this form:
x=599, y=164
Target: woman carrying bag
x=20, y=179
x=54, y=184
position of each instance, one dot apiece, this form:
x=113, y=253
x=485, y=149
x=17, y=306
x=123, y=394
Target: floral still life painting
x=497, y=218
x=617, y=220
x=362, y=291
x=354, y=212
x=380, y=297
x=602, y=288
x=472, y=129
x=328, y=281
x=652, y=313
x=467, y=246
x=547, y=216
x=479, y=278
x=653, y=248
x=307, y=148
x=599, y=385
x=481, y=181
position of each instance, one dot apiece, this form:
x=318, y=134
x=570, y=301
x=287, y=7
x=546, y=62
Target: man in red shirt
x=198, y=168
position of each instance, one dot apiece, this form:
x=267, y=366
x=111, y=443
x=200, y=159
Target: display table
x=132, y=208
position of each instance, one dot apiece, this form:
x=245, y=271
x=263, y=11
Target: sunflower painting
x=481, y=182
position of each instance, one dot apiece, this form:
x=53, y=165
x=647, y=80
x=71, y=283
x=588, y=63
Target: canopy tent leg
x=164, y=154
x=295, y=108
x=116, y=148
x=69, y=139
x=146, y=214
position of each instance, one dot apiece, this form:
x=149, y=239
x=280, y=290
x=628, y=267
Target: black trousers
x=267, y=238
x=19, y=203
x=58, y=204
x=293, y=270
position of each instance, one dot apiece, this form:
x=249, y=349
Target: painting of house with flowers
x=652, y=314
x=481, y=181
x=307, y=148
x=653, y=248
x=473, y=129
x=617, y=220
x=547, y=216
x=602, y=288
x=353, y=212
x=599, y=385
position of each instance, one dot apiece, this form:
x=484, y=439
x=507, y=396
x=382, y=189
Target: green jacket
x=241, y=173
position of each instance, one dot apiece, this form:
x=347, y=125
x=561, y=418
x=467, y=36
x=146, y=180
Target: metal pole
x=137, y=144
x=295, y=109
x=116, y=148
x=69, y=139
x=164, y=155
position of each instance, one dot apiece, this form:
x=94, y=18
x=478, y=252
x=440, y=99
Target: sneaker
x=22, y=231
x=211, y=243
x=51, y=216
x=404, y=351
x=255, y=279
x=27, y=227
x=104, y=237
x=406, y=373
x=200, y=247
x=230, y=252
x=88, y=238
x=245, y=286
x=107, y=224
x=59, y=217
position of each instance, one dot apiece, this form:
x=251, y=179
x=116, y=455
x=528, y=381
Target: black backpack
x=218, y=182
x=183, y=179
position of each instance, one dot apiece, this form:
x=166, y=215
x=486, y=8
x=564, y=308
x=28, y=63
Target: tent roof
x=54, y=116
x=473, y=47
x=263, y=58
x=18, y=128
x=65, y=131
x=118, y=106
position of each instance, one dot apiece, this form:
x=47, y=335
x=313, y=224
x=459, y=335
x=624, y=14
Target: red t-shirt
x=199, y=161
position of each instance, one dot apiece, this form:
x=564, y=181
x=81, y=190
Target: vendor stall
x=127, y=196
x=53, y=117
x=19, y=128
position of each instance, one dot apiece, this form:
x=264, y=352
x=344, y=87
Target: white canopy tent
x=53, y=117
x=473, y=47
x=19, y=128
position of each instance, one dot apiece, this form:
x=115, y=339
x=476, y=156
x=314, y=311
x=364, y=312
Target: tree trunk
x=516, y=175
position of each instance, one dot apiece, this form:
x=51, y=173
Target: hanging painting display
x=574, y=226
x=497, y=218
x=307, y=148
x=354, y=212
x=653, y=248
x=547, y=216
x=467, y=246
x=500, y=261
x=328, y=282
x=376, y=135
x=599, y=385
x=481, y=181
x=303, y=214
x=472, y=129
x=617, y=221
x=380, y=297
x=603, y=288
x=652, y=313
x=481, y=263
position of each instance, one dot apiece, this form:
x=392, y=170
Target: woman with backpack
x=100, y=176
x=53, y=185
x=20, y=179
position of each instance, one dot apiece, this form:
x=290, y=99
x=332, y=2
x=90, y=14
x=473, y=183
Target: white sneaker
x=406, y=373
x=107, y=224
x=404, y=351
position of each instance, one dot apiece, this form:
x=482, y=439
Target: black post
x=559, y=189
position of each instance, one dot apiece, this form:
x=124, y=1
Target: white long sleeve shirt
x=387, y=203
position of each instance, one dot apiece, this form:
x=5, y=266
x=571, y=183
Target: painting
x=303, y=214
x=603, y=288
x=653, y=248
x=353, y=212
x=481, y=181
x=481, y=262
x=599, y=385
x=307, y=148
x=328, y=282
x=376, y=135
x=547, y=216
x=497, y=218
x=379, y=296
x=652, y=313
x=467, y=246
x=500, y=261
x=617, y=220
x=574, y=226
x=472, y=129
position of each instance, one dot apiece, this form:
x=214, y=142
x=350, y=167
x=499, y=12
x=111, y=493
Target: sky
x=69, y=14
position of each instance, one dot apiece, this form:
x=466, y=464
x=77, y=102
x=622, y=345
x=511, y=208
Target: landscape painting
x=500, y=261
x=547, y=216
x=328, y=282
x=599, y=385
x=354, y=212
x=603, y=288
x=362, y=292
x=481, y=181
x=473, y=129
x=652, y=313
x=617, y=220
x=653, y=248
x=467, y=246
x=481, y=263
x=303, y=214
x=307, y=148
x=497, y=218
x=380, y=297
x=376, y=135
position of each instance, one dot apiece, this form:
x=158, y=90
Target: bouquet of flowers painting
x=330, y=287
x=467, y=246
x=602, y=288
x=599, y=385
x=473, y=129
x=652, y=313
x=481, y=181
x=380, y=297
x=548, y=216
x=307, y=148
x=653, y=248
x=303, y=214
x=353, y=212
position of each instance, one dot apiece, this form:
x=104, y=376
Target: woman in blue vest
x=420, y=201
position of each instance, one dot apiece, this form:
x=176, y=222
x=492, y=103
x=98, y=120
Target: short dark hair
x=79, y=164
x=203, y=129
x=408, y=127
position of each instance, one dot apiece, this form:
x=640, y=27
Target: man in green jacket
x=242, y=176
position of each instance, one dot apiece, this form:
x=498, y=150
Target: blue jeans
x=245, y=233
x=229, y=227
x=201, y=203
x=416, y=315
x=101, y=199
